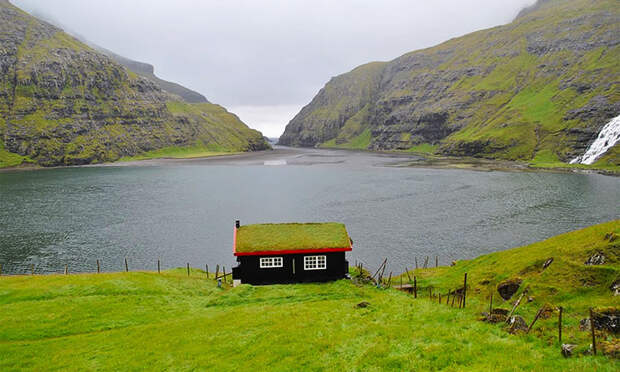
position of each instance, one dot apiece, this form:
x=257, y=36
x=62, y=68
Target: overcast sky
x=264, y=60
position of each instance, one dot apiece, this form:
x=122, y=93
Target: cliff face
x=541, y=86
x=148, y=71
x=63, y=103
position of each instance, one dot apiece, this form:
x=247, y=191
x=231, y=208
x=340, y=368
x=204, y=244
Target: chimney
x=237, y=224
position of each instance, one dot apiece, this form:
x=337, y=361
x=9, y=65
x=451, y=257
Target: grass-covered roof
x=291, y=236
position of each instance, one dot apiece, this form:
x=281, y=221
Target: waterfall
x=607, y=138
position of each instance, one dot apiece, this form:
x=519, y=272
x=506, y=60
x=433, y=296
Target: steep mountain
x=63, y=103
x=541, y=88
x=148, y=71
x=141, y=68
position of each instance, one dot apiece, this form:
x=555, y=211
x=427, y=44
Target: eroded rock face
x=63, y=103
x=547, y=263
x=567, y=350
x=476, y=106
x=597, y=258
x=615, y=287
x=497, y=315
x=517, y=324
x=509, y=287
x=607, y=319
x=584, y=324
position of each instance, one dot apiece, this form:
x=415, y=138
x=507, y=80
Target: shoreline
x=407, y=159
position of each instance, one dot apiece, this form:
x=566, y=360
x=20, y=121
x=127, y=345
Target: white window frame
x=315, y=262
x=271, y=262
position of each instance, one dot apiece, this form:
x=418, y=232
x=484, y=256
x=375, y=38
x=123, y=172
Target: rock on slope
x=540, y=87
x=63, y=103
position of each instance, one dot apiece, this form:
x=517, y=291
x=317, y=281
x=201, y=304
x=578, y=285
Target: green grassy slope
x=339, y=111
x=567, y=282
x=63, y=103
x=170, y=321
x=537, y=89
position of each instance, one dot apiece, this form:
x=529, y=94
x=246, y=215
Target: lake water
x=184, y=211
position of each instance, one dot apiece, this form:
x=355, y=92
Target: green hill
x=171, y=321
x=64, y=103
x=538, y=89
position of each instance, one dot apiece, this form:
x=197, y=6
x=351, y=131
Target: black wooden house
x=290, y=253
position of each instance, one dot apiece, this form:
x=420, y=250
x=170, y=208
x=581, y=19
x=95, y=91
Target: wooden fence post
x=416, y=263
x=453, y=297
x=464, y=290
x=98, y=267
x=593, y=335
x=436, y=261
x=426, y=262
x=560, y=325
x=408, y=277
x=224, y=273
x=207, y=270
x=383, y=270
x=389, y=280
x=379, y=269
x=535, y=319
x=126, y=266
x=217, y=270
x=515, y=305
x=188, y=269
x=31, y=269
x=66, y=269
x=439, y=297
x=158, y=266
x=415, y=287
x=491, y=304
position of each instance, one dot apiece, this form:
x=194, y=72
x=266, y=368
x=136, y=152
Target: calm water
x=184, y=211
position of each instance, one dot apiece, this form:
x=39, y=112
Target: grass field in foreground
x=169, y=321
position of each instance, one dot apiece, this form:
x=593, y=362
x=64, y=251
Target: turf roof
x=291, y=236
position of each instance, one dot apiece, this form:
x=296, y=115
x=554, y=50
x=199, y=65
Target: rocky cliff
x=64, y=103
x=148, y=71
x=540, y=87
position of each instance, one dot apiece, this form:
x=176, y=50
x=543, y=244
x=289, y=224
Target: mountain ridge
x=147, y=70
x=141, y=68
x=64, y=103
x=540, y=87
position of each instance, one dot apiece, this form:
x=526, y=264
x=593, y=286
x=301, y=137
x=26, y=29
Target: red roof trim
x=291, y=251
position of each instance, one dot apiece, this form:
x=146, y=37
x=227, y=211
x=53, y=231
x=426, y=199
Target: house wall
x=249, y=271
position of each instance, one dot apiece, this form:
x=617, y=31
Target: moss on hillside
x=63, y=103
x=291, y=236
x=542, y=84
x=566, y=282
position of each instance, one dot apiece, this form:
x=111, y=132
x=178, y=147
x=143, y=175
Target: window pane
x=270, y=262
x=315, y=262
